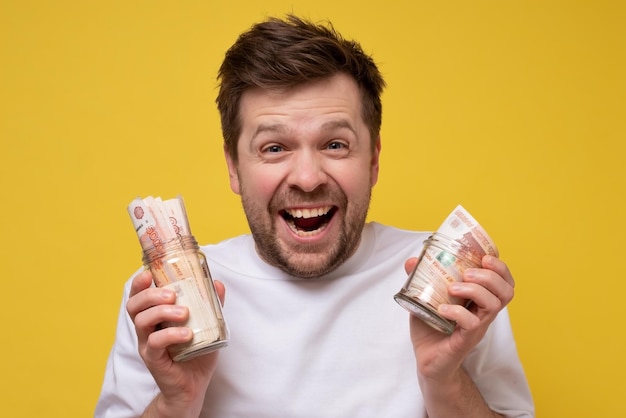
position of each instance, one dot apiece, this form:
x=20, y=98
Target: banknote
x=462, y=227
x=159, y=223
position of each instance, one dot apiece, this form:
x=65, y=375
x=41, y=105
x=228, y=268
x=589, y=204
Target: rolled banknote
x=156, y=223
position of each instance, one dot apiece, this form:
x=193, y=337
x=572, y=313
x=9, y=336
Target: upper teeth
x=308, y=213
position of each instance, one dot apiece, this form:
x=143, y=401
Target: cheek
x=260, y=184
x=358, y=187
x=354, y=176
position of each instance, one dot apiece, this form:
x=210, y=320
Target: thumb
x=221, y=291
x=410, y=264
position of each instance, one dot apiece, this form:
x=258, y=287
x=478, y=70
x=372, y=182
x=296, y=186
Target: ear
x=233, y=174
x=375, y=166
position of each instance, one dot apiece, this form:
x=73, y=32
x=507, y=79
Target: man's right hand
x=182, y=384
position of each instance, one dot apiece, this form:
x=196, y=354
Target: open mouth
x=307, y=222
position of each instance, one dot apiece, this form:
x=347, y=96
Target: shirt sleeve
x=128, y=386
x=495, y=368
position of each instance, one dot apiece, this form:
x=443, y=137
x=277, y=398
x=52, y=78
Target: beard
x=299, y=259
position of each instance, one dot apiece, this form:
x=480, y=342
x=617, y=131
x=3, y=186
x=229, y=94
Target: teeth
x=305, y=233
x=308, y=213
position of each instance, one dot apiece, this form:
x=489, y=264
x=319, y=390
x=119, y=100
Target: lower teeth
x=304, y=233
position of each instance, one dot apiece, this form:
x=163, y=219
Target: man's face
x=305, y=173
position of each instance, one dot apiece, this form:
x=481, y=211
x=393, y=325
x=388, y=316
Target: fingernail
x=178, y=310
x=184, y=331
x=167, y=294
x=471, y=273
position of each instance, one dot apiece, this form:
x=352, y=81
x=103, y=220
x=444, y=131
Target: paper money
x=159, y=223
x=462, y=227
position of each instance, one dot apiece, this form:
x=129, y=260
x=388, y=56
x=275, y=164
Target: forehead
x=312, y=102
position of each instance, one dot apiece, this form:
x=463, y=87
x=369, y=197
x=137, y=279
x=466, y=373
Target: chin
x=300, y=267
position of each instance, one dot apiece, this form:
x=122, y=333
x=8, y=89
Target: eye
x=335, y=145
x=273, y=149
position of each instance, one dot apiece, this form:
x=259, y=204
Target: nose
x=307, y=171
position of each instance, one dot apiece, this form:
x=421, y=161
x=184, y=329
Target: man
x=314, y=328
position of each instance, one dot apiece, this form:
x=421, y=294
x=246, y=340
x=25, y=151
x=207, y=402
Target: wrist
x=162, y=407
x=453, y=396
x=442, y=386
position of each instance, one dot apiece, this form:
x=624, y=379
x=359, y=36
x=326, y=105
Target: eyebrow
x=326, y=126
x=337, y=124
x=274, y=128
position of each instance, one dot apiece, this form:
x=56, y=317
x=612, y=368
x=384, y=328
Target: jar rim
x=180, y=243
x=458, y=248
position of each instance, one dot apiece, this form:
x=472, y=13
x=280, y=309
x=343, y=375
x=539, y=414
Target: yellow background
x=515, y=109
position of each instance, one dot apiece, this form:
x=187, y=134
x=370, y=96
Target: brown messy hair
x=279, y=54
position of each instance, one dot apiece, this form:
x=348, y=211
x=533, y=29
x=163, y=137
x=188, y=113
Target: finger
x=155, y=350
x=147, y=298
x=146, y=321
x=140, y=282
x=492, y=281
x=410, y=264
x=161, y=339
x=500, y=267
x=464, y=318
x=221, y=291
x=485, y=304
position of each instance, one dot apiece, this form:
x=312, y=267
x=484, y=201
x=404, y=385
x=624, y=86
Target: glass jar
x=442, y=262
x=180, y=265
